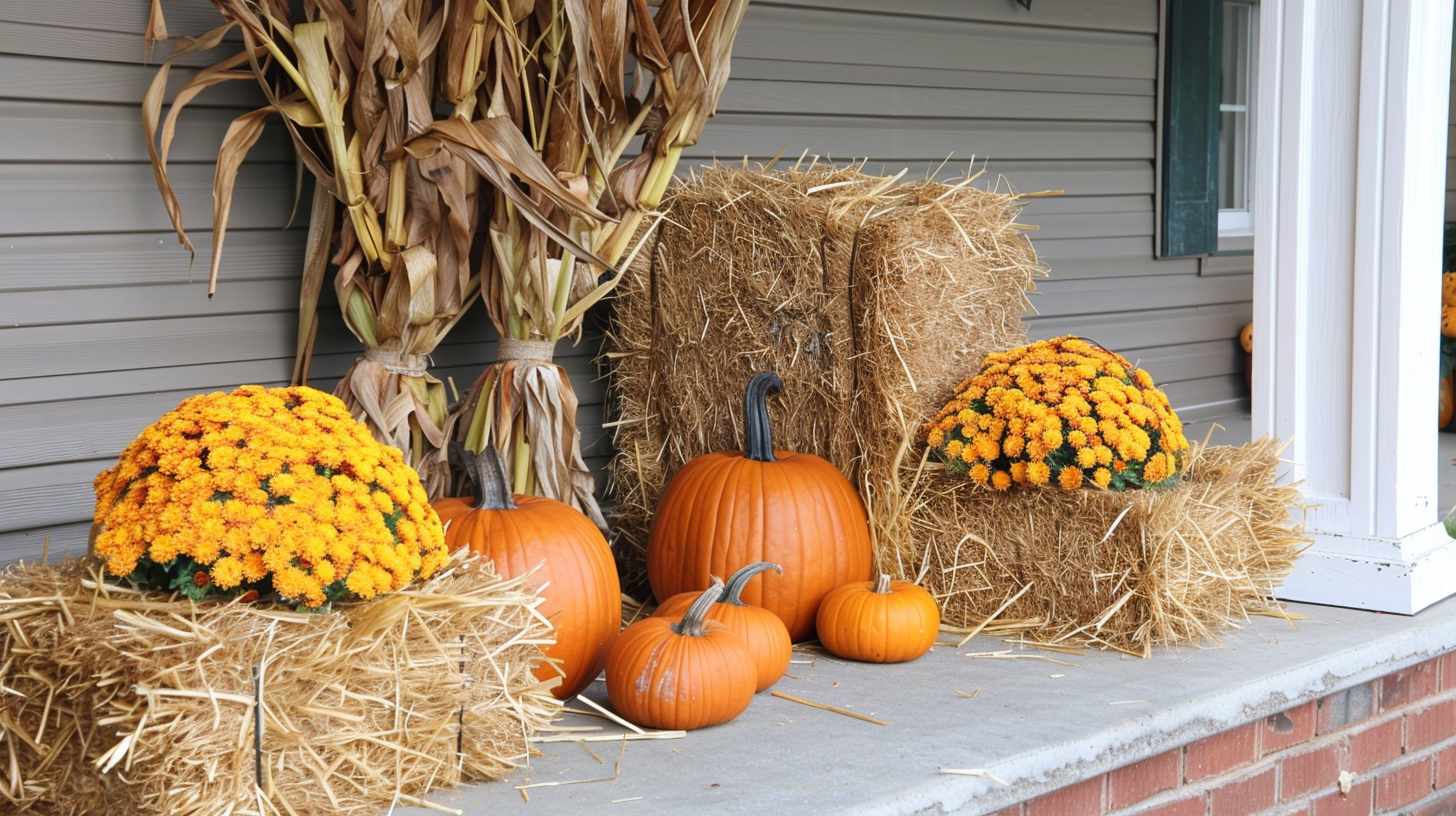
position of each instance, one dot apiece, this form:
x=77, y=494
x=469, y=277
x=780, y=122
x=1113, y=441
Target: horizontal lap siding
x=105, y=321
x=103, y=326
x=1058, y=98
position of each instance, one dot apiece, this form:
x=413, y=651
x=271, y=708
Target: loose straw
x=836, y=709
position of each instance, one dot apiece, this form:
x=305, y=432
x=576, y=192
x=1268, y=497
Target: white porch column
x=1352, y=125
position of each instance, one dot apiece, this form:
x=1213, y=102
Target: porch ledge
x=1039, y=726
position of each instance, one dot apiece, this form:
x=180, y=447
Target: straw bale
x=146, y=702
x=1126, y=570
x=861, y=293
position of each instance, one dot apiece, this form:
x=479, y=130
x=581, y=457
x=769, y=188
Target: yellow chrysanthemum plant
x=278, y=491
x=1063, y=412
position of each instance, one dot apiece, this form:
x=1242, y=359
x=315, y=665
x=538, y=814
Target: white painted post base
x=1352, y=133
x=1417, y=572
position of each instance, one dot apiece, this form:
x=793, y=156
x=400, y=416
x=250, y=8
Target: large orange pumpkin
x=723, y=511
x=580, y=592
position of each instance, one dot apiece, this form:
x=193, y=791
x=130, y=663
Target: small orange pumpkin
x=1448, y=401
x=1448, y=288
x=724, y=510
x=761, y=630
x=684, y=675
x=880, y=621
x=580, y=593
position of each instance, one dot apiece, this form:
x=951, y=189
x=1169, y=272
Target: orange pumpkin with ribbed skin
x=1448, y=401
x=684, y=675
x=580, y=593
x=880, y=621
x=761, y=630
x=725, y=510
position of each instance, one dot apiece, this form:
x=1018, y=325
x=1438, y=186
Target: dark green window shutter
x=1191, y=47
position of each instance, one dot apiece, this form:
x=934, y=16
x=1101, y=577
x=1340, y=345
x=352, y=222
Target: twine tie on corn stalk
x=408, y=365
x=511, y=350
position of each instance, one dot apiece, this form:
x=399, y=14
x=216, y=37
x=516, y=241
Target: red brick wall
x=1394, y=736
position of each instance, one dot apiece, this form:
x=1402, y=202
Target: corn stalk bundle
x=558, y=86
x=421, y=119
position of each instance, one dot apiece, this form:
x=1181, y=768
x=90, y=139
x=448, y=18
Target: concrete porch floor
x=1034, y=720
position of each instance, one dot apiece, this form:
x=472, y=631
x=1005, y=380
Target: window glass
x=1235, y=118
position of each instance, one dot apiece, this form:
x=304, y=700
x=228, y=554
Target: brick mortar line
x=1440, y=796
x=1315, y=742
x=1204, y=787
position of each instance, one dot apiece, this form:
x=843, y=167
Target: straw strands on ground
x=1127, y=570
x=868, y=297
x=148, y=703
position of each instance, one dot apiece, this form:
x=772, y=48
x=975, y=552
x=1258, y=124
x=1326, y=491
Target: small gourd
x=761, y=630
x=684, y=675
x=879, y=621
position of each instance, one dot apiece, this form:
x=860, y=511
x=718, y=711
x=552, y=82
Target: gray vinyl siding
x=103, y=328
x=102, y=325
x=1061, y=97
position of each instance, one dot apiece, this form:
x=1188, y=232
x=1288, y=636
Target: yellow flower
x=953, y=448
x=1102, y=476
x=265, y=482
x=1013, y=445
x=1055, y=400
x=1000, y=480
x=1070, y=478
x=227, y=572
x=1156, y=469
x=987, y=447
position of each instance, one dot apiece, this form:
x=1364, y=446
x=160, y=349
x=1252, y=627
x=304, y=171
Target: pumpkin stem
x=758, y=438
x=691, y=624
x=739, y=579
x=488, y=474
x=882, y=584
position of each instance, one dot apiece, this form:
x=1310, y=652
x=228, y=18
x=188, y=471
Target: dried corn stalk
x=537, y=122
x=352, y=88
x=558, y=79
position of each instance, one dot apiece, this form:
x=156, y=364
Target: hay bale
x=1126, y=570
x=866, y=297
x=147, y=703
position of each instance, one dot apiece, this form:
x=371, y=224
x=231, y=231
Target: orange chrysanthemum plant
x=275, y=490
x=1062, y=412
